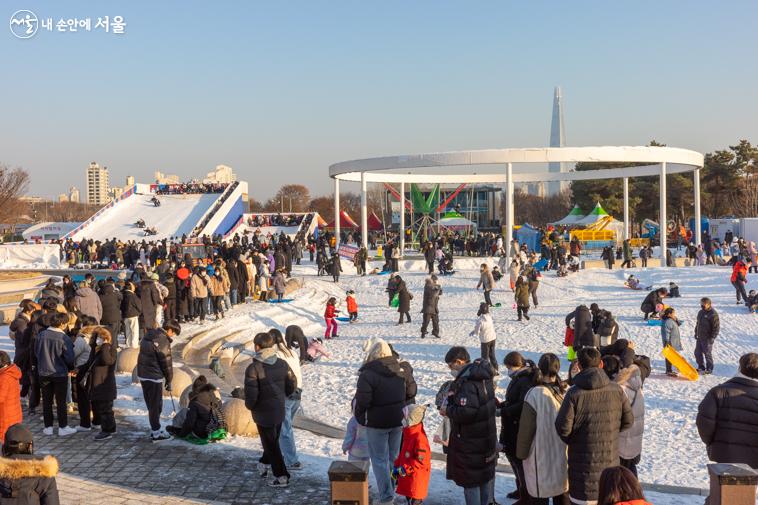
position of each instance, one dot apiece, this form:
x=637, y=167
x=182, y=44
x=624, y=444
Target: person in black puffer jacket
x=472, y=446
x=110, y=299
x=269, y=381
x=380, y=395
x=593, y=413
x=727, y=418
x=102, y=381
x=583, y=334
x=203, y=399
x=652, y=300
x=24, y=478
x=155, y=371
x=411, y=388
x=521, y=372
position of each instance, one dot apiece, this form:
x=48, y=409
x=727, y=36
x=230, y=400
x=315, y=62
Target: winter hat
x=379, y=349
x=18, y=434
x=413, y=414
x=484, y=308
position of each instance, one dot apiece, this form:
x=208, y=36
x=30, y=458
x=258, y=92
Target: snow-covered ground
x=177, y=215
x=672, y=453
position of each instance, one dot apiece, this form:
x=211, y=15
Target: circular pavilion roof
x=381, y=169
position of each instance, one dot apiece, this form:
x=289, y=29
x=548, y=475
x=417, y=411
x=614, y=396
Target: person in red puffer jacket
x=10, y=394
x=413, y=465
x=739, y=279
x=330, y=317
x=619, y=486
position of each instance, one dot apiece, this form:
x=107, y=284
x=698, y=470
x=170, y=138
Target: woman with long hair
x=291, y=403
x=618, y=486
x=541, y=451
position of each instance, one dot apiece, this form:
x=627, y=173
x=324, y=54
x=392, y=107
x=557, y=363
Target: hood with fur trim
x=20, y=467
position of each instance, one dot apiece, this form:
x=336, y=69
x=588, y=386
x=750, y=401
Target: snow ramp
x=177, y=215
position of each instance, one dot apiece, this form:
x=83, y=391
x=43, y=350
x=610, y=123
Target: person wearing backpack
x=608, y=329
x=269, y=381
x=204, y=416
x=533, y=277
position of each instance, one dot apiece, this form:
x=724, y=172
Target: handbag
x=84, y=380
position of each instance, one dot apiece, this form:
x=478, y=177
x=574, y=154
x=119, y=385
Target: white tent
x=572, y=217
x=48, y=230
x=596, y=215
x=457, y=223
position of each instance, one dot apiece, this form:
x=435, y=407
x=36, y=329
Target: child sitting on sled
x=633, y=283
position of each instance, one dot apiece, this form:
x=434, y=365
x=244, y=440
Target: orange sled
x=681, y=364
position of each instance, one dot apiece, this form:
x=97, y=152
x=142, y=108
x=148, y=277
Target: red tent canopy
x=374, y=223
x=345, y=222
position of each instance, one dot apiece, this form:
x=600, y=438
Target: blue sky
x=280, y=90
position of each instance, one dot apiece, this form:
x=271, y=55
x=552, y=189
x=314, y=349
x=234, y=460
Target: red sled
x=568, y=339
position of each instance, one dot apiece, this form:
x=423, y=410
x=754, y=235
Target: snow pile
x=30, y=256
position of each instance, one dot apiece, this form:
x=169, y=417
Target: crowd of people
x=188, y=188
x=275, y=219
x=571, y=436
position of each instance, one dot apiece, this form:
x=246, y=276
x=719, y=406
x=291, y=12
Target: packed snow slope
x=177, y=215
x=672, y=453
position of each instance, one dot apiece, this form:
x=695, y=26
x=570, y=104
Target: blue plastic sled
x=343, y=319
x=657, y=322
x=541, y=265
x=385, y=272
x=283, y=300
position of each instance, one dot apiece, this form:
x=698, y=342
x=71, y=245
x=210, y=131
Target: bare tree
x=13, y=184
x=538, y=210
x=747, y=198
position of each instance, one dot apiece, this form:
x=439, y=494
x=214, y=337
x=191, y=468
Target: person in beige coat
x=199, y=292
x=217, y=293
x=538, y=445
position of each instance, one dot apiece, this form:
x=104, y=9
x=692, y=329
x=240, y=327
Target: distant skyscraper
x=73, y=194
x=557, y=139
x=97, y=184
x=129, y=180
x=63, y=197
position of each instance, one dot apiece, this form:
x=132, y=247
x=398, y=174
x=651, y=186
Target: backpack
x=217, y=420
x=643, y=363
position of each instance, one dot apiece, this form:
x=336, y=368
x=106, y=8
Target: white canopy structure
x=657, y=161
x=572, y=217
x=596, y=215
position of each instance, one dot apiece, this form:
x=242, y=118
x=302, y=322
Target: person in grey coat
x=670, y=335
x=429, y=308
x=486, y=282
x=87, y=302
x=278, y=284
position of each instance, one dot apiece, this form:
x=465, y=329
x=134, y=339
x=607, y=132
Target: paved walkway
x=129, y=469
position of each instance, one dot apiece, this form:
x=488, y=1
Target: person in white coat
x=291, y=403
x=630, y=380
x=485, y=330
x=538, y=446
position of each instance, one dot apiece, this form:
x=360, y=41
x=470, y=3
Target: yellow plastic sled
x=681, y=364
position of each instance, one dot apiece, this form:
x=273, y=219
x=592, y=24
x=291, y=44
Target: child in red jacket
x=413, y=465
x=330, y=316
x=352, y=306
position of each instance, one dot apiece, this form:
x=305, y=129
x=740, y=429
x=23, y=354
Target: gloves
x=168, y=386
x=398, y=472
